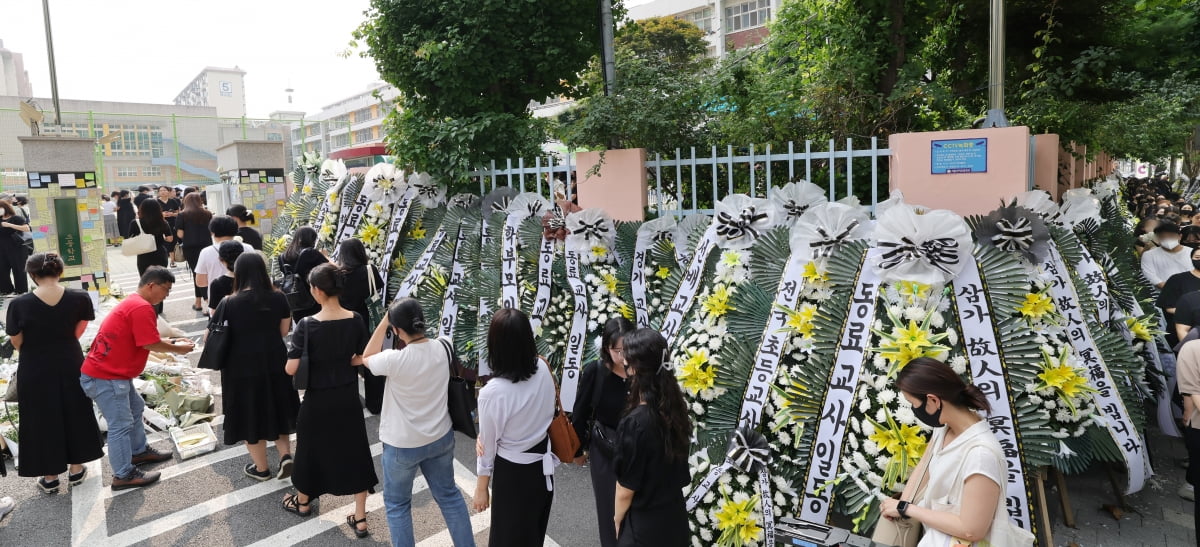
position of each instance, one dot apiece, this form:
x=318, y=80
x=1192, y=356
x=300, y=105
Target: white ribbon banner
x=450, y=299
x=839, y=396
x=637, y=284
x=987, y=372
x=541, y=302
x=770, y=350
x=1097, y=285
x=509, y=291
x=350, y=220
x=575, y=344
x=409, y=285
x=485, y=238
x=399, y=217
x=1113, y=414
x=691, y=283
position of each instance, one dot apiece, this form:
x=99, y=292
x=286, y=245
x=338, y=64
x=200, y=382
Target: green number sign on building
x=66, y=219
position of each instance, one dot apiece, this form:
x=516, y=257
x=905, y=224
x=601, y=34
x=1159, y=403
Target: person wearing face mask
x=1170, y=258
x=1185, y=213
x=1191, y=236
x=957, y=489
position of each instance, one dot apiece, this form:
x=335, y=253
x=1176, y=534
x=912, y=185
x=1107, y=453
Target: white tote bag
x=1003, y=532
x=140, y=244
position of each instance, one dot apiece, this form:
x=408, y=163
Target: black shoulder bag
x=294, y=286
x=461, y=401
x=603, y=438
x=217, y=344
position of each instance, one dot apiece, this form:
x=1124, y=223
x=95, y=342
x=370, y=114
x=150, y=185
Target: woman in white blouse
x=515, y=410
x=958, y=489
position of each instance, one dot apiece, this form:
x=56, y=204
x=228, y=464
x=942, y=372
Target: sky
x=149, y=50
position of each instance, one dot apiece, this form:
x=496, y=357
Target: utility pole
x=53, y=72
x=606, y=48
x=995, y=114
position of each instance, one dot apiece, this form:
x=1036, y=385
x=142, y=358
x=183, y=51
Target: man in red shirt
x=117, y=356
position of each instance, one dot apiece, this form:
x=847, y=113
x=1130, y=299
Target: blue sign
x=955, y=156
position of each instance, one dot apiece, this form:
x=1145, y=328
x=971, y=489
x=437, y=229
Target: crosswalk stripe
x=89, y=523
x=204, y=509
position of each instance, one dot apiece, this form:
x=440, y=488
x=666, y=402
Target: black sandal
x=353, y=524
x=291, y=504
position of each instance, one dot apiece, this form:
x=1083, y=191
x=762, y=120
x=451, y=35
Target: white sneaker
x=6, y=506
x=1187, y=492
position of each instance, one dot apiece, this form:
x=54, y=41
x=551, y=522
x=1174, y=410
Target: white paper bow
x=333, y=172
x=928, y=248
x=653, y=231
x=429, y=193
x=1077, y=206
x=823, y=227
x=683, y=232
x=527, y=205
x=589, y=228
x=794, y=198
x=497, y=200
x=385, y=184
x=1107, y=189
x=463, y=200
x=741, y=220
x=1039, y=202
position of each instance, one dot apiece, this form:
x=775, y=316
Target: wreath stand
x=1064, y=500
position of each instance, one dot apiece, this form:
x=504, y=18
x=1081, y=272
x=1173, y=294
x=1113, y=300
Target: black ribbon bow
x=1013, y=236
x=731, y=227
x=749, y=450
x=794, y=210
x=824, y=247
x=593, y=231
x=939, y=253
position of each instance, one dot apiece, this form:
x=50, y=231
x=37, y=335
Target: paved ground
x=208, y=501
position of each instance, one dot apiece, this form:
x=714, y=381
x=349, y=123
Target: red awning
x=377, y=149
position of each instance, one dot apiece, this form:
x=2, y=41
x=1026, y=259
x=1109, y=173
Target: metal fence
x=691, y=181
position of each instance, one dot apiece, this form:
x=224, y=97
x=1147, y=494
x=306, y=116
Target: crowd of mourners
x=630, y=414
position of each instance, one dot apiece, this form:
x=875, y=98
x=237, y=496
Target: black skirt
x=258, y=408
x=333, y=455
x=520, y=504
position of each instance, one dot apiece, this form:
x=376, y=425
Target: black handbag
x=217, y=344
x=375, y=307
x=602, y=439
x=461, y=400
x=295, y=287
x=300, y=379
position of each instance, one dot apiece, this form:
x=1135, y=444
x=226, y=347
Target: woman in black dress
x=12, y=250
x=352, y=258
x=652, y=449
x=125, y=212
x=603, y=392
x=228, y=252
x=259, y=401
x=191, y=227
x=150, y=220
x=301, y=257
x=244, y=218
x=58, y=429
x=333, y=455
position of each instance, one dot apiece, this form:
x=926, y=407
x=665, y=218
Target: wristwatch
x=902, y=508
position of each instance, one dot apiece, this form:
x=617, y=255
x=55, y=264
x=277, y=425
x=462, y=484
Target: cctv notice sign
x=957, y=156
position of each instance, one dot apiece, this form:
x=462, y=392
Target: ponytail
x=927, y=376
x=973, y=397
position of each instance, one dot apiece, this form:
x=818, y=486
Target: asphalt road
x=208, y=501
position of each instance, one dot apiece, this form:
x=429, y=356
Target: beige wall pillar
x=257, y=174
x=1007, y=170
x=618, y=186
x=1046, y=148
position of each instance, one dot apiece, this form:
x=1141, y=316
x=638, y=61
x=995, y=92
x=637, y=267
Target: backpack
x=294, y=286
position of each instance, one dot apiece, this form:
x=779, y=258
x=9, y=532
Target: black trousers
x=604, y=488
x=192, y=255
x=520, y=504
x=12, y=268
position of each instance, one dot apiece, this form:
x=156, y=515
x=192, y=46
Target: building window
x=128, y=172
x=275, y=137
x=154, y=171
x=702, y=18
x=340, y=141
x=363, y=115
x=747, y=15
x=362, y=135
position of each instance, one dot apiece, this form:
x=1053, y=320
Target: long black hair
x=512, y=352
x=250, y=274
x=305, y=237
x=614, y=329
x=928, y=376
x=352, y=254
x=653, y=383
x=150, y=216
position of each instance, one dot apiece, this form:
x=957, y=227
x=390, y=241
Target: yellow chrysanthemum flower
x=610, y=282
x=1067, y=382
x=697, y=374
x=418, y=231
x=813, y=274
x=732, y=259
x=663, y=272
x=736, y=522
x=326, y=230
x=1141, y=328
x=600, y=251
x=901, y=441
x=800, y=321
x=626, y=311
x=717, y=303
x=1036, y=306
x=914, y=291
x=369, y=234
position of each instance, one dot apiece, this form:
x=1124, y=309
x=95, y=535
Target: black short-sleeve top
x=330, y=345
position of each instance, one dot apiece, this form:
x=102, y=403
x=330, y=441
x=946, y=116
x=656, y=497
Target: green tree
x=467, y=71
x=659, y=101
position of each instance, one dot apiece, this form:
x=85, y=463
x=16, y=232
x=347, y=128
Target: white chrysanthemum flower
x=905, y=415
x=864, y=405
x=860, y=461
x=937, y=321
x=952, y=337
x=914, y=313
x=706, y=535
x=959, y=364
x=870, y=447
x=880, y=416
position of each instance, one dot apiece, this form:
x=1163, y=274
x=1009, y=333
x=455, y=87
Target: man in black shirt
x=1174, y=290
x=170, y=209
x=143, y=195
